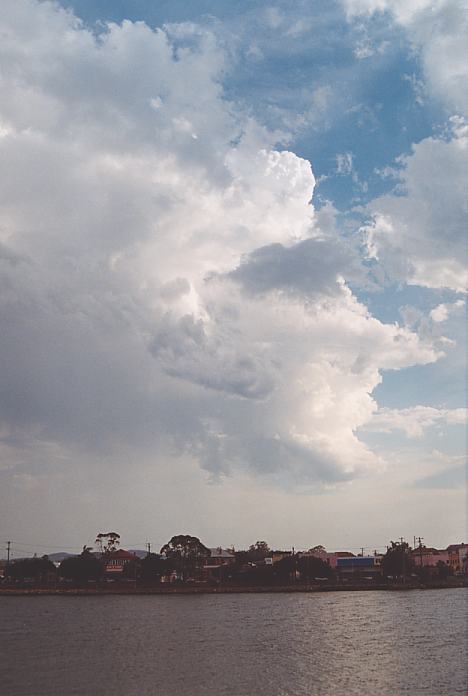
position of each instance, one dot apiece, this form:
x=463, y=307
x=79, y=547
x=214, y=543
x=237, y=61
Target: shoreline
x=226, y=589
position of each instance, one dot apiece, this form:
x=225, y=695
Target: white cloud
x=438, y=31
x=171, y=291
x=416, y=420
x=404, y=11
x=442, y=311
x=344, y=163
x=418, y=232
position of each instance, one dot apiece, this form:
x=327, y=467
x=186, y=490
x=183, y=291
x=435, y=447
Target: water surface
x=235, y=645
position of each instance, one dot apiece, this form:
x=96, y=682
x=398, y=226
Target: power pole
x=403, y=559
x=420, y=540
x=148, y=546
x=8, y=552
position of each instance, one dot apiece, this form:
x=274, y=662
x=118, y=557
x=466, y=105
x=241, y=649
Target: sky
x=233, y=272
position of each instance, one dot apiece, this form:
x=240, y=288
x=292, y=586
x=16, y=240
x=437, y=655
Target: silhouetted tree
x=398, y=560
x=284, y=570
x=153, y=567
x=185, y=554
x=107, y=542
x=258, y=552
x=34, y=569
x=311, y=567
x=81, y=568
x=443, y=570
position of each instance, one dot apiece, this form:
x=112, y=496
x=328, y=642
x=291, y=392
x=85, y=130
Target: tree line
x=184, y=557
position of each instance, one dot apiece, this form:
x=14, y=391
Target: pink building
x=429, y=557
x=324, y=555
x=332, y=558
x=457, y=554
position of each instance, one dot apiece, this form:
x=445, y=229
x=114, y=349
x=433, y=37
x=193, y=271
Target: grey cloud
x=452, y=478
x=308, y=268
x=185, y=350
x=278, y=460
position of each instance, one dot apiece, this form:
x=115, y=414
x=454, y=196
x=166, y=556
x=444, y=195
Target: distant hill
x=60, y=556
x=139, y=552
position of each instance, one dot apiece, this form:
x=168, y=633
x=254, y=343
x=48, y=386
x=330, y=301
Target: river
x=359, y=643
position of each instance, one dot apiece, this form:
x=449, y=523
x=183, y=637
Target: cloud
x=166, y=285
x=418, y=232
x=454, y=478
x=442, y=312
x=414, y=421
x=309, y=268
x=438, y=31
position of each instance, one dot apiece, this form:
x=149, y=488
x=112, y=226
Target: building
x=333, y=558
x=429, y=557
x=221, y=557
x=457, y=555
x=276, y=556
x=359, y=565
x=218, y=560
x=115, y=562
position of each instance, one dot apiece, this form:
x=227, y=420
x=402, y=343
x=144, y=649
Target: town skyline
x=14, y=549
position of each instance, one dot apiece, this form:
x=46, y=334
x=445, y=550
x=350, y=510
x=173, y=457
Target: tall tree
x=398, y=561
x=258, y=551
x=185, y=554
x=81, y=568
x=107, y=542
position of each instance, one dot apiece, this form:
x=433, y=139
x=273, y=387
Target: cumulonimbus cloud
x=164, y=278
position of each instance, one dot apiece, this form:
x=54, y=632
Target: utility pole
x=148, y=546
x=403, y=560
x=420, y=540
x=8, y=552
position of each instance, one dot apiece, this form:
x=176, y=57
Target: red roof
x=121, y=553
x=455, y=547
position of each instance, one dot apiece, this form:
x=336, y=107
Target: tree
x=258, y=551
x=108, y=542
x=285, y=569
x=153, y=567
x=398, y=561
x=31, y=569
x=443, y=570
x=311, y=567
x=81, y=568
x=185, y=554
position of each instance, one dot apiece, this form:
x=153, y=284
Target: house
x=359, y=565
x=332, y=558
x=429, y=557
x=218, y=560
x=220, y=557
x=458, y=554
x=276, y=556
x=115, y=562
